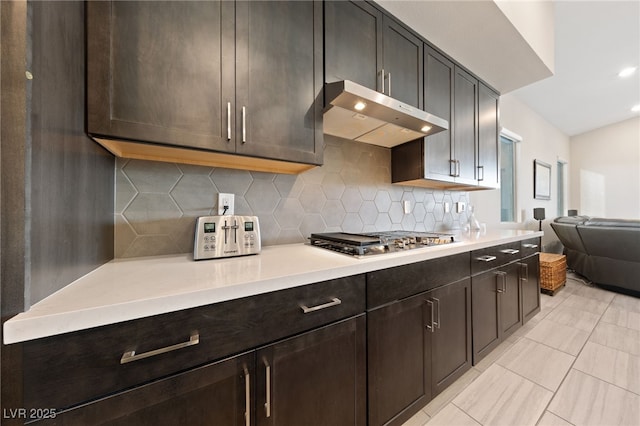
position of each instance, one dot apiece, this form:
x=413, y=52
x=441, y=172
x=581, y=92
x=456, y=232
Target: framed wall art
x=541, y=180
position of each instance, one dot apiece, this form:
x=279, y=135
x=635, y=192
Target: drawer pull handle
x=486, y=258
x=510, y=251
x=530, y=246
x=334, y=302
x=131, y=355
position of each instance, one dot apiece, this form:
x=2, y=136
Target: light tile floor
x=577, y=362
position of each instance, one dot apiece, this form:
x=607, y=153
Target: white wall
x=605, y=171
x=541, y=141
x=535, y=21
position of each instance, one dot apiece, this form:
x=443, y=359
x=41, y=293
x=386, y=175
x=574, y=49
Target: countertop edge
x=41, y=321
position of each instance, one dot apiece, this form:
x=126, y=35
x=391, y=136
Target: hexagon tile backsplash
x=157, y=203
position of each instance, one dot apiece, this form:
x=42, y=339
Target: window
x=562, y=184
x=508, y=175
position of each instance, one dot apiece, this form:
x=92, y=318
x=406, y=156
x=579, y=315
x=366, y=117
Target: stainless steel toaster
x=226, y=236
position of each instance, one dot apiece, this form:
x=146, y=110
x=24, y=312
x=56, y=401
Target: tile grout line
x=514, y=372
x=583, y=284
x=496, y=362
x=573, y=363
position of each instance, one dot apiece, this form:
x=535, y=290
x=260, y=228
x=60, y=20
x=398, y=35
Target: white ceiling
x=594, y=40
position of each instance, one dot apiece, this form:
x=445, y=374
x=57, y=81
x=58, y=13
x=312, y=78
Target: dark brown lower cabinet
x=416, y=348
x=497, y=310
x=529, y=281
x=510, y=308
x=451, y=338
x=220, y=393
x=315, y=378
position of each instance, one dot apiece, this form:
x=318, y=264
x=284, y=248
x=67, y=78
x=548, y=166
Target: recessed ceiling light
x=627, y=72
x=425, y=129
x=635, y=108
x=359, y=106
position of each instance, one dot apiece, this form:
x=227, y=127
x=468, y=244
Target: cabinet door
x=353, y=43
x=510, y=308
x=399, y=363
x=402, y=63
x=488, y=129
x=530, y=287
x=317, y=378
x=219, y=393
x=464, y=126
x=161, y=71
x=438, y=100
x=485, y=313
x=279, y=80
x=451, y=338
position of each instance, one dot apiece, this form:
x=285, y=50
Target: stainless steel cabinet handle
x=437, y=323
x=510, y=251
x=530, y=246
x=247, y=397
x=267, y=372
x=334, y=302
x=480, y=169
x=452, y=163
x=503, y=275
x=456, y=168
x=486, y=258
x=131, y=355
x=389, y=85
x=382, y=78
x=431, y=326
x=244, y=124
x=228, y=121
x=525, y=266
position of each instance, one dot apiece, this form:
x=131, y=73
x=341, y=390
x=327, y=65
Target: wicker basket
x=553, y=272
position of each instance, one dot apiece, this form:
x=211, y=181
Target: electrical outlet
x=447, y=207
x=460, y=207
x=406, y=204
x=226, y=200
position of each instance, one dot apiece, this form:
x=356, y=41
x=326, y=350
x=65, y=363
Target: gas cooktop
x=366, y=244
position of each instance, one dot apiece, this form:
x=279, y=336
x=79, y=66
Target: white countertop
x=127, y=289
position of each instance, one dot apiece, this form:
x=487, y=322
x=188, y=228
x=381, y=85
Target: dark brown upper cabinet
x=217, y=83
x=464, y=157
x=370, y=48
x=465, y=124
x=488, y=132
x=353, y=43
x=428, y=161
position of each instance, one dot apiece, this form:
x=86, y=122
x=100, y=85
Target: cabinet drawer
x=62, y=371
x=492, y=257
x=530, y=246
x=397, y=283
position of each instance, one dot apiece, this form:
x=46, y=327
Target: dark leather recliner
x=605, y=251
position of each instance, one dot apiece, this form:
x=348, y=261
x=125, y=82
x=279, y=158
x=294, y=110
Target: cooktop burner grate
x=378, y=242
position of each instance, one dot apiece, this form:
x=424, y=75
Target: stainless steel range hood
x=358, y=113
